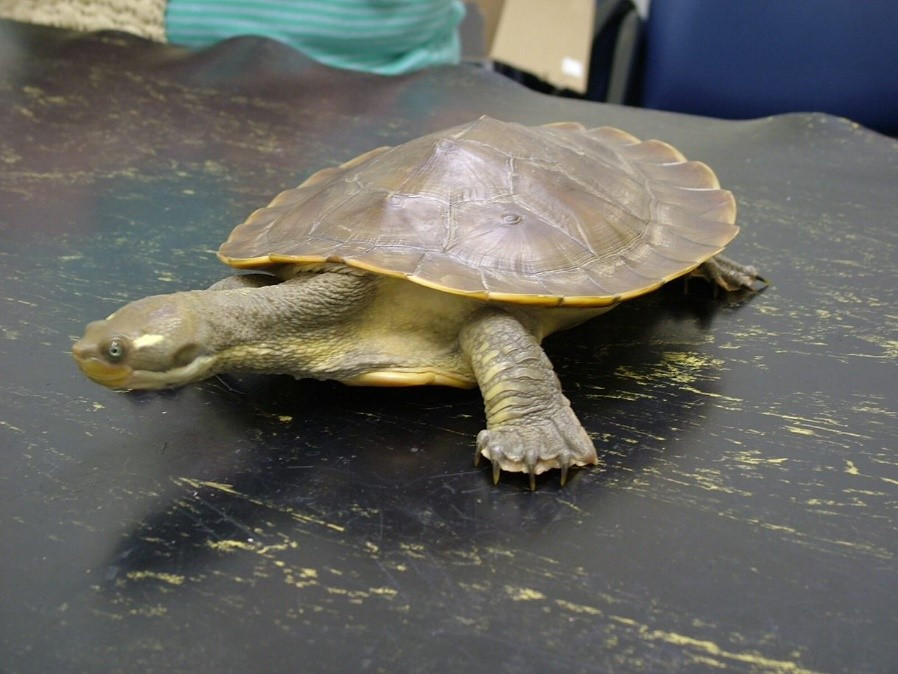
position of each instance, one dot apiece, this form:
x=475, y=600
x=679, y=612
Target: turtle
x=445, y=260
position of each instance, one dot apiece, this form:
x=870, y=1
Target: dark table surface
x=745, y=518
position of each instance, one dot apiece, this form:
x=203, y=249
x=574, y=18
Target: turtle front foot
x=730, y=275
x=535, y=446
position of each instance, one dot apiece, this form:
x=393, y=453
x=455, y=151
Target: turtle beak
x=98, y=370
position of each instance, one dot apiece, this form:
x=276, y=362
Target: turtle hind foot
x=723, y=273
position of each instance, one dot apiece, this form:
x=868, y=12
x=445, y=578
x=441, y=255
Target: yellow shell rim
x=578, y=301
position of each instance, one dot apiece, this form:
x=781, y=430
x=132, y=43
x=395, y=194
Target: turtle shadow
x=347, y=466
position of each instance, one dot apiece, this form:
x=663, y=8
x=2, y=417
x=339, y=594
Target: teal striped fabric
x=388, y=37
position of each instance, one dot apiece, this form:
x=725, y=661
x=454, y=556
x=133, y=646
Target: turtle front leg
x=530, y=424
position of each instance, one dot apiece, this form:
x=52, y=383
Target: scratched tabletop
x=746, y=515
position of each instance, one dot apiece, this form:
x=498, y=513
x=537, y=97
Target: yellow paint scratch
x=822, y=424
x=577, y=608
x=314, y=520
x=415, y=550
x=709, y=649
x=6, y=424
x=149, y=611
x=356, y=596
x=711, y=394
x=220, y=486
x=775, y=527
x=229, y=489
x=754, y=458
x=230, y=545
x=523, y=593
x=712, y=480
x=712, y=649
x=889, y=346
x=383, y=591
x=170, y=578
x=300, y=578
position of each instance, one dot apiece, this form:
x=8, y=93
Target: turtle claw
x=564, y=475
x=530, y=461
x=497, y=471
x=565, y=460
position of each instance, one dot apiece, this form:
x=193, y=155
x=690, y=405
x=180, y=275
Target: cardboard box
x=491, y=11
x=551, y=39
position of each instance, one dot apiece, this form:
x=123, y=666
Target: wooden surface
x=745, y=520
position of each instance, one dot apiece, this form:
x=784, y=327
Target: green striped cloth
x=388, y=37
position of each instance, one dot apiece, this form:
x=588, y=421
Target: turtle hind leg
x=531, y=427
x=722, y=272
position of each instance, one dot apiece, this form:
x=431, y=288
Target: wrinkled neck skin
x=290, y=327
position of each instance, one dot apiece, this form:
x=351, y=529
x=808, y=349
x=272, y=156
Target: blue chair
x=739, y=59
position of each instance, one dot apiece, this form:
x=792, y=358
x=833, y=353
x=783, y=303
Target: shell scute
x=437, y=271
x=652, y=151
x=689, y=174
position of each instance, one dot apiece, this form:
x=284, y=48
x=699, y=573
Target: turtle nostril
x=80, y=350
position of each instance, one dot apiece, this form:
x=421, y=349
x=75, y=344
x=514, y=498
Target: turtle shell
x=547, y=215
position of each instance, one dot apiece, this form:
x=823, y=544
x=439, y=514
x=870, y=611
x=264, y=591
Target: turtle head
x=152, y=343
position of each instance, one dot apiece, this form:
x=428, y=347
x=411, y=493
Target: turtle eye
x=115, y=350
